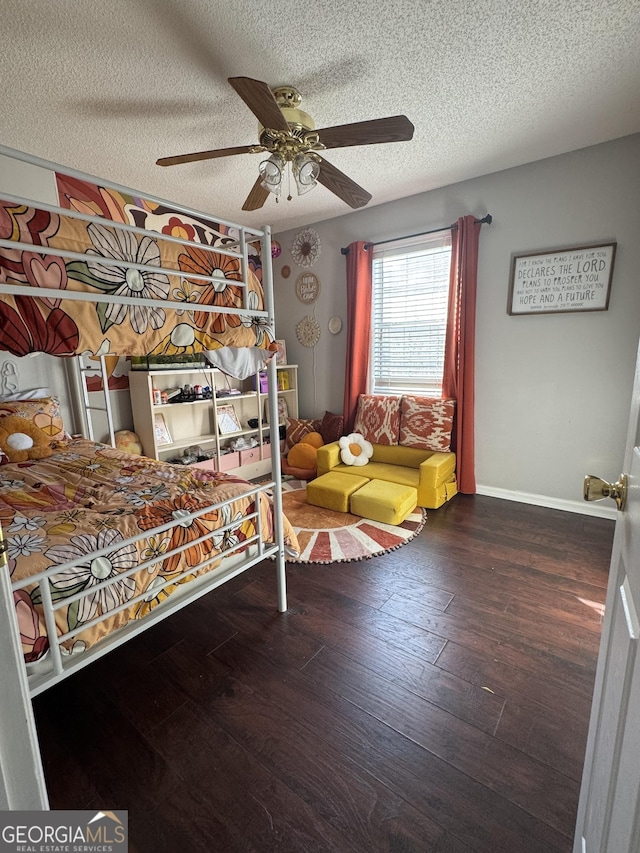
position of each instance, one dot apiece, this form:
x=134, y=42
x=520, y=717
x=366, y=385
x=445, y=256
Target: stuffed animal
x=21, y=439
x=128, y=441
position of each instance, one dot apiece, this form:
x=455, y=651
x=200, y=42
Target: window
x=409, y=315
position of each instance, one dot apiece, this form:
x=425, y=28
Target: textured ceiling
x=109, y=87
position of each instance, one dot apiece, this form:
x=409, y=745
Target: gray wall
x=552, y=391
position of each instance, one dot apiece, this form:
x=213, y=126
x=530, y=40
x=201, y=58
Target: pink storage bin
x=228, y=461
x=249, y=456
x=264, y=383
x=206, y=464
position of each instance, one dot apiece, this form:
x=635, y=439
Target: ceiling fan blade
x=391, y=129
x=257, y=197
x=208, y=155
x=341, y=185
x=260, y=100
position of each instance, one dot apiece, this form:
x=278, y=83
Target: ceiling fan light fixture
x=271, y=172
x=305, y=173
x=288, y=133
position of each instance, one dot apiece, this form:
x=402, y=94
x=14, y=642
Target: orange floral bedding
x=88, y=496
x=60, y=326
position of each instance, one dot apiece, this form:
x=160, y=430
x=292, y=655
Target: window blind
x=409, y=315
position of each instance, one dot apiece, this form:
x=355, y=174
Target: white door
x=609, y=809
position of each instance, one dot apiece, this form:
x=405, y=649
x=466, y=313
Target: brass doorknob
x=596, y=489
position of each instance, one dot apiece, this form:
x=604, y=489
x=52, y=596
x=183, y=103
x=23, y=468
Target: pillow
x=355, y=450
x=331, y=427
x=43, y=413
x=299, y=427
x=426, y=423
x=378, y=418
x=32, y=394
x=303, y=456
x=312, y=438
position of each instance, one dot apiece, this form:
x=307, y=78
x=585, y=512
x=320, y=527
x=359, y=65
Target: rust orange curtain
x=359, y=273
x=459, y=355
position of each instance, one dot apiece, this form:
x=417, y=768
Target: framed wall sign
x=562, y=280
x=307, y=287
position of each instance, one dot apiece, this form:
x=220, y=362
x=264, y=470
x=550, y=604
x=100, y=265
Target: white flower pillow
x=355, y=449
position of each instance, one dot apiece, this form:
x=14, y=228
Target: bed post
x=22, y=785
x=267, y=283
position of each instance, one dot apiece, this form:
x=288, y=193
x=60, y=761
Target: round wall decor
x=307, y=287
x=308, y=331
x=306, y=247
x=335, y=325
x=285, y=272
x=276, y=249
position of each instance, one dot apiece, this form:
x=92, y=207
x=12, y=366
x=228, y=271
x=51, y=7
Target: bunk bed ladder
x=83, y=370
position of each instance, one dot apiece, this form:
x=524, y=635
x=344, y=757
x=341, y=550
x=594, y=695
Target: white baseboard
x=582, y=507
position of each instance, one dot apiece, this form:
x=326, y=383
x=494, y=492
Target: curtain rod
x=486, y=220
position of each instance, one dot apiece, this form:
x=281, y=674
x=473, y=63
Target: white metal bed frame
x=22, y=784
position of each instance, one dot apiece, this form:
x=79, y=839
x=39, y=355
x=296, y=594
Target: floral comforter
x=169, y=272
x=87, y=497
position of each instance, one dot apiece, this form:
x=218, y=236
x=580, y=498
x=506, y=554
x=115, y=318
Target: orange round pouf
x=303, y=455
x=312, y=438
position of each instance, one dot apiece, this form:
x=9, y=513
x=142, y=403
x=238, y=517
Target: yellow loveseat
x=430, y=472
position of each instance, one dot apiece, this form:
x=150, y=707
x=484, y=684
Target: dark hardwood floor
x=432, y=700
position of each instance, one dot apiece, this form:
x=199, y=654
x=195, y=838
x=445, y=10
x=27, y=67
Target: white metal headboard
x=9, y=379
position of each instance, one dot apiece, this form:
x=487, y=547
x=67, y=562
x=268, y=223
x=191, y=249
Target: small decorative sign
x=227, y=420
x=281, y=353
x=163, y=436
x=307, y=287
x=562, y=281
x=283, y=410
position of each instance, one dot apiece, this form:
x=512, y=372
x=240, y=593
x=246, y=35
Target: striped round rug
x=326, y=536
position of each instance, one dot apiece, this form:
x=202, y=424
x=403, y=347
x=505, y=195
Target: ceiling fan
x=289, y=136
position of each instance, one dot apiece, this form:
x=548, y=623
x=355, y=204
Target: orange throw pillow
x=303, y=456
x=312, y=438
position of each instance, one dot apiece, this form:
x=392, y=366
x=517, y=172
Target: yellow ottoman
x=379, y=500
x=333, y=490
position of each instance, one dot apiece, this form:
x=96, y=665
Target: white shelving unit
x=168, y=430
